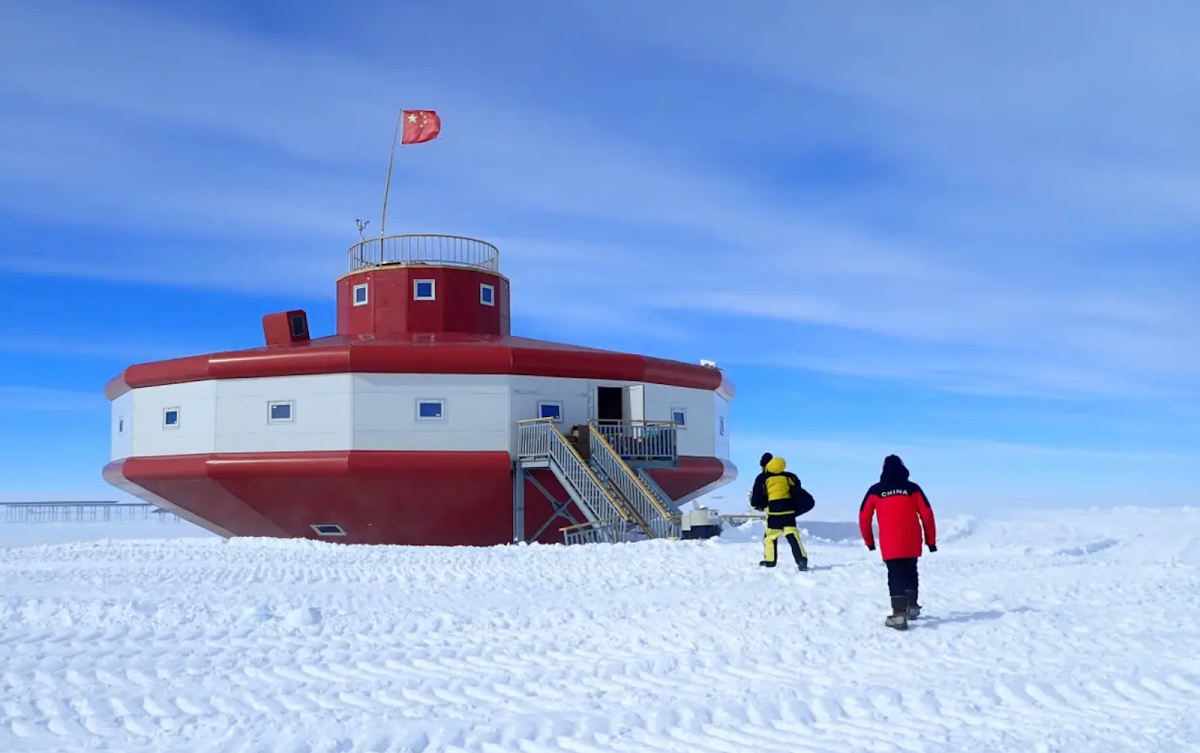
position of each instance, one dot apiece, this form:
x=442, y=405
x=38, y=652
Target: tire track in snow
x=533, y=665
x=865, y=720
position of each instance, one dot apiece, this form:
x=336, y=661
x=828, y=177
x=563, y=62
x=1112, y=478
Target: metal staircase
x=609, y=532
x=657, y=520
x=541, y=445
x=618, y=503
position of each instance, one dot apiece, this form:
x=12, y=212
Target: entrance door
x=635, y=395
x=610, y=404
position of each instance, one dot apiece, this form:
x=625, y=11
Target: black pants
x=902, y=576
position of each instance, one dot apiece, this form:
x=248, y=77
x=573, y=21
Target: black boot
x=802, y=563
x=764, y=563
x=914, y=609
x=899, y=616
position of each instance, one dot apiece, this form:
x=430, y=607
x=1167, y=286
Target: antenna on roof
x=361, y=227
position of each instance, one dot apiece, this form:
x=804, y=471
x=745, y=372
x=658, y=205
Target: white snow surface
x=1070, y=632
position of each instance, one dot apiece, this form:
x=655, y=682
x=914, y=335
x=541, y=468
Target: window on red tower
x=424, y=290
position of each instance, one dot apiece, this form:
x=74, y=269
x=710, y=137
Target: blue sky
x=965, y=233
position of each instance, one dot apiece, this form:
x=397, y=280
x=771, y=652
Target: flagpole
x=387, y=186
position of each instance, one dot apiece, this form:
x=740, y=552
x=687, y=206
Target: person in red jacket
x=904, y=514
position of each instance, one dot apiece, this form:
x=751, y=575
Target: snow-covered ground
x=1073, y=632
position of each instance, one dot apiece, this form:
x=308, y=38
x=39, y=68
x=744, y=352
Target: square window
x=679, y=416
x=487, y=295
x=423, y=290
x=299, y=325
x=281, y=412
x=429, y=409
x=328, y=529
x=550, y=410
x=170, y=418
x=360, y=295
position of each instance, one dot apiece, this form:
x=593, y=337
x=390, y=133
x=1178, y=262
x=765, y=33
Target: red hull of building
x=411, y=498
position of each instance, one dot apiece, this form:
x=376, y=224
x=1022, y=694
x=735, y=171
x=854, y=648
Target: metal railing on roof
x=441, y=250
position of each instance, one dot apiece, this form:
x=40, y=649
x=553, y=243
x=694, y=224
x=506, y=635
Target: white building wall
x=528, y=393
x=320, y=407
x=379, y=412
x=720, y=419
x=698, y=435
x=122, y=427
x=476, y=417
x=196, y=430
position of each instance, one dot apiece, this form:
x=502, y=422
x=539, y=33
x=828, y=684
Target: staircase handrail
x=576, y=472
x=637, y=518
x=659, y=520
x=622, y=465
x=609, y=530
x=659, y=493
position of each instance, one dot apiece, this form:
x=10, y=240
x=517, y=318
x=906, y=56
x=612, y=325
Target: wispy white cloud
x=1018, y=246
x=1025, y=372
x=976, y=452
x=14, y=398
x=965, y=474
x=131, y=350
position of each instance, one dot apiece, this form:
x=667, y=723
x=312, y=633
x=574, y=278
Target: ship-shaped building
x=422, y=421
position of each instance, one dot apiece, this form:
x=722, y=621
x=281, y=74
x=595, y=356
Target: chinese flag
x=420, y=126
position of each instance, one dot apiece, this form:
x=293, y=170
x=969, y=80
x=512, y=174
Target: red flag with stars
x=420, y=126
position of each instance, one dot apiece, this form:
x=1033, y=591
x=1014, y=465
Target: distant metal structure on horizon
x=85, y=512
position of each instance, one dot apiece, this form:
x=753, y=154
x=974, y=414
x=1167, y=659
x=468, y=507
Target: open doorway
x=610, y=404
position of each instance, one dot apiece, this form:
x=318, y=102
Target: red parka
x=904, y=513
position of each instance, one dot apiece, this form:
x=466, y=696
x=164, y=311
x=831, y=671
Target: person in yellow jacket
x=778, y=491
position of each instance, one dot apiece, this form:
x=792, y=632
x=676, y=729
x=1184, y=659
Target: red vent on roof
x=286, y=328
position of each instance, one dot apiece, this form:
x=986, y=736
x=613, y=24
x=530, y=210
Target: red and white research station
x=416, y=422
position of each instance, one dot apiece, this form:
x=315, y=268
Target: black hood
x=894, y=471
x=766, y=458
